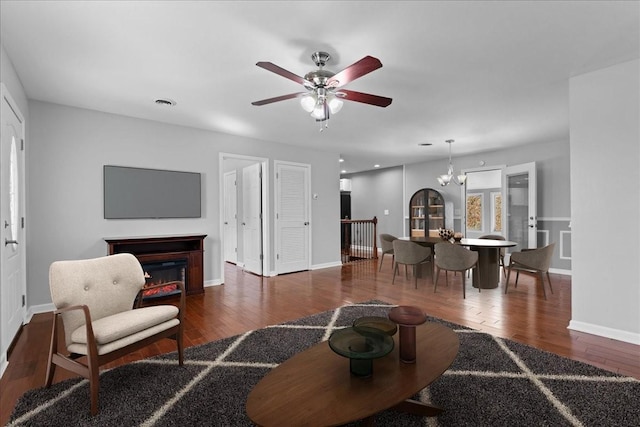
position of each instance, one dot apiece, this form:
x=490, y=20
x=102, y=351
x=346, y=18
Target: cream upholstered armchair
x=533, y=261
x=95, y=299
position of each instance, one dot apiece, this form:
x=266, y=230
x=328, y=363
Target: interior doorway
x=501, y=200
x=249, y=245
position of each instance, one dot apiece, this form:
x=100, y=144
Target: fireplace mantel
x=166, y=248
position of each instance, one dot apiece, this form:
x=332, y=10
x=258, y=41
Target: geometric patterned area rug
x=492, y=382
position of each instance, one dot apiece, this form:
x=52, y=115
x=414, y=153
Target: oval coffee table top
x=314, y=387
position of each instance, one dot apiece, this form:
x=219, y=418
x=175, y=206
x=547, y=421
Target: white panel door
x=230, y=226
x=252, y=218
x=12, y=233
x=292, y=218
x=519, y=185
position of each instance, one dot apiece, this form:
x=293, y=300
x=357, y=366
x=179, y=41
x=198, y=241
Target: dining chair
x=532, y=261
x=410, y=253
x=96, y=299
x=386, y=245
x=502, y=250
x=452, y=257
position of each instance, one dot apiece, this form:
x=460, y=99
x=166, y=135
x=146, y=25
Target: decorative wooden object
x=407, y=317
x=167, y=248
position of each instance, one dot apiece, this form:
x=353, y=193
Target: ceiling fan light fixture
x=335, y=104
x=308, y=102
x=320, y=112
x=325, y=96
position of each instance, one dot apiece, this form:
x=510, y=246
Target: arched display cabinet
x=426, y=213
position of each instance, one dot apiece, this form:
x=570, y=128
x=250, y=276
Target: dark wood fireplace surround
x=167, y=248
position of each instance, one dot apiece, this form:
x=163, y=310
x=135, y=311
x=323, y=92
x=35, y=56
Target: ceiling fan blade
x=278, y=98
x=354, y=71
x=365, y=98
x=269, y=66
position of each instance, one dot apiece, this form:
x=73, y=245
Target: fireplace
x=166, y=273
x=162, y=252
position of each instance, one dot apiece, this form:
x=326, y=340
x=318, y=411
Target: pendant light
x=445, y=179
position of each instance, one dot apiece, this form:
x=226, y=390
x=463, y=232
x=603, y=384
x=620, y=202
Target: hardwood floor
x=247, y=302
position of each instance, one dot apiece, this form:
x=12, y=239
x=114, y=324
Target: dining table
x=487, y=275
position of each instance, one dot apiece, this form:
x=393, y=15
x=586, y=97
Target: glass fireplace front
x=164, y=272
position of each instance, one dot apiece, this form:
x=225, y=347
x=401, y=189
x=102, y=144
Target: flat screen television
x=150, y=193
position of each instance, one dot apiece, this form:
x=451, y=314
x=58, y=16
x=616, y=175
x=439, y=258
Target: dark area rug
x=492, y=382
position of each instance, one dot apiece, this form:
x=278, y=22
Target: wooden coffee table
x=315, y=387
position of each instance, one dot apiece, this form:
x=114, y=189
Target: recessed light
x=341, y=160
x=376, y=166
x=343, y=171
x=165, y=101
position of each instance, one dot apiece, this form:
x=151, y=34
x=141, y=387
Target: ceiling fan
x=324, y=93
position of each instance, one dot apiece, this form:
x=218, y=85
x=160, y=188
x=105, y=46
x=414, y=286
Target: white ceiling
x=487, y=74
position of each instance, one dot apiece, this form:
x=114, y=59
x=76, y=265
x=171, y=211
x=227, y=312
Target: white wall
x=605, y=201
x=69, y=146
x=374, y=192
x=10, y=78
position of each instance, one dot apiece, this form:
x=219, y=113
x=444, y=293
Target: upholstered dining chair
x=452, y=257
x=532, y=261
x=410, y=253
x=386, y=245
x=95, y=299
x=502, y=250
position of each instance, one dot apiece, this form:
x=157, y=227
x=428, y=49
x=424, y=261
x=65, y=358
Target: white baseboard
x=3, y=363
x=560, y=271
x=36, y=309
x=215, y=282
x=326, y=265
x=603, y=331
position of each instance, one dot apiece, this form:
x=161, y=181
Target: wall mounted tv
x=150, y=193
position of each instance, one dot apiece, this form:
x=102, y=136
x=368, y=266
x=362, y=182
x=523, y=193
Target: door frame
x=22, y=247
x=266, y=253
x=225, y=234
x=532, y=202
x=463, y=193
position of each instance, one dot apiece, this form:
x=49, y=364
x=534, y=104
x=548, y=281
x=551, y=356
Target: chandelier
x=449, y=177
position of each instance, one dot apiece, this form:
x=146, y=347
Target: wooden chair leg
x=395, y=270
x=517, y=277
x=435, y=282
x=381, y=259
x=549, y=280
x=180, y=344
x=53, y=348
x=94, y=384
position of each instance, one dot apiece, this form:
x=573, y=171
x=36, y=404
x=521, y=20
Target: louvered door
x=293, y=223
